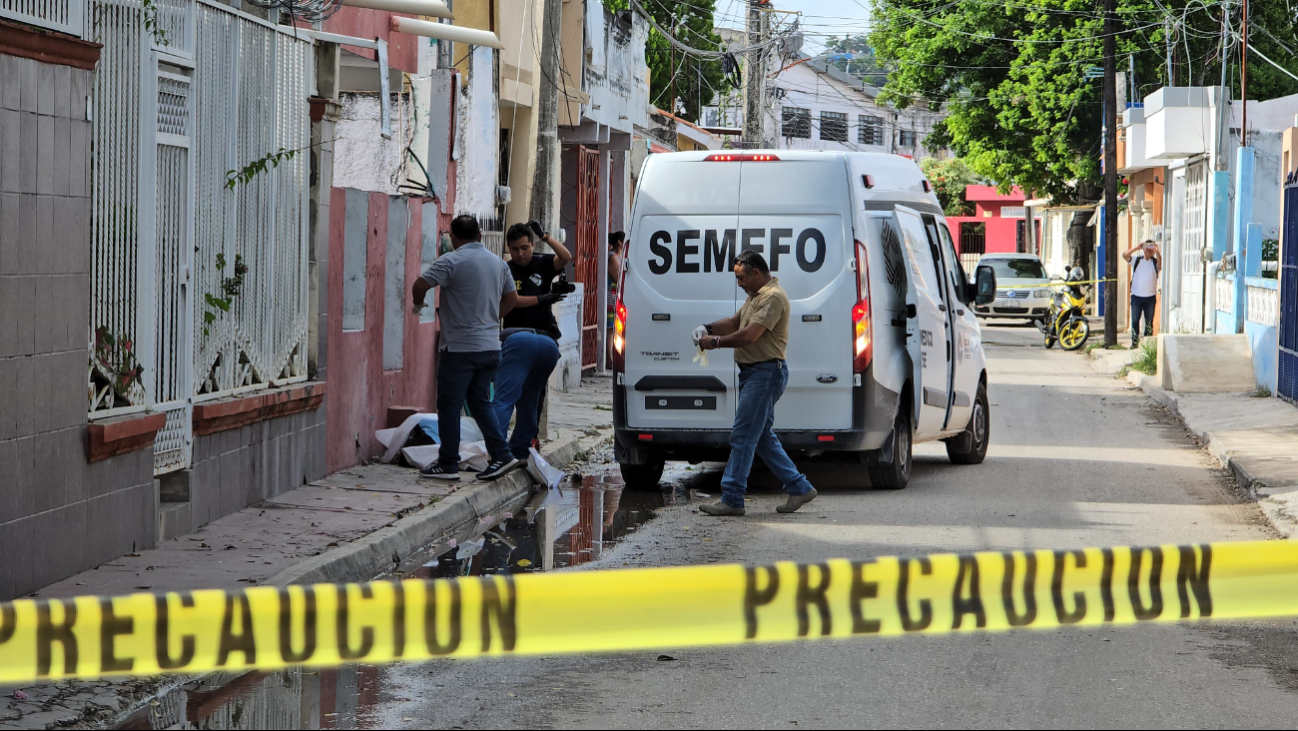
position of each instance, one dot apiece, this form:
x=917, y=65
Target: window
x=869, y=130
x=796, y=123
x=833, y=126
x=907, y=138
x=1017, y=269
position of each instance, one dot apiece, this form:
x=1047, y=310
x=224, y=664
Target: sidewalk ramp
x=1205, y=364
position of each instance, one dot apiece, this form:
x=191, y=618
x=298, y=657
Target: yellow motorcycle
x=1066, y=322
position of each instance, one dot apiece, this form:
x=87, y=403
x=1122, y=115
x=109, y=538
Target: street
x=1076, y=460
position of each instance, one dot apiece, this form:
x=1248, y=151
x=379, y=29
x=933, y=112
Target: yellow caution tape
x=544, y=614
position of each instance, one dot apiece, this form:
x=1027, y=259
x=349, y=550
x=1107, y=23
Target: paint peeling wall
x=363, y=158
x=616, y=72
x=477, y=141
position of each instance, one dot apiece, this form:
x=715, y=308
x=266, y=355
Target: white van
x=884, y=349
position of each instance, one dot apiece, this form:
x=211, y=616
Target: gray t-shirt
x=472, y=280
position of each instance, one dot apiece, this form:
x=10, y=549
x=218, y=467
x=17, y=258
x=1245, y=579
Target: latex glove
x=700, y=332
x=549, y=299
x=701, y=356
x=536, y=229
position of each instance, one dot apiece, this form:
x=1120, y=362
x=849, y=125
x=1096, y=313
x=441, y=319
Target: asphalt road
x=1076, y=460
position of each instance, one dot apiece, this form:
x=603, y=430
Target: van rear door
x=929, y=334
x=798, y=215
x=679, y=276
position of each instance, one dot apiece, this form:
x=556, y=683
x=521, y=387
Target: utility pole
x=1167, y=36
x=1243, y=77
x=672, y=102
x=1110, y=176
x=547, y=119
x=755, y=84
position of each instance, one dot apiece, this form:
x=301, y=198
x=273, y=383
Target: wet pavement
x=562, y=528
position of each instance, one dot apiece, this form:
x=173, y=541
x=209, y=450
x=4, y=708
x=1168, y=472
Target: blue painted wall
x=1263, y=343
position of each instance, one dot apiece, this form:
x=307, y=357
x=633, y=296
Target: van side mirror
x=984, y=285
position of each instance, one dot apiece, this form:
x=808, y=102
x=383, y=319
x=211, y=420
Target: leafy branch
x=230, y=288
x=151, y=23
x=116, y=355
x=269, y=161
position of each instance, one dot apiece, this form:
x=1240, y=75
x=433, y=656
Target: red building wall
x=360, y=390
x=370, y=24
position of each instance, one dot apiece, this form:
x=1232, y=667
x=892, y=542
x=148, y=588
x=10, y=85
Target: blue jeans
x=466, y=377
x=1142, y=306
x=760, y=386
x=526, y=362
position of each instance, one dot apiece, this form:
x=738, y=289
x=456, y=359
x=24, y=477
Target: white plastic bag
x=542, y=471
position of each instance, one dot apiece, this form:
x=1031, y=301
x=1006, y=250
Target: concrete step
x=1205, y=364
x=173, y=521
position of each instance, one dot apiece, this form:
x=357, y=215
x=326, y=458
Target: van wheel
x=895, y=475
x=971, y=446
x=644, y=477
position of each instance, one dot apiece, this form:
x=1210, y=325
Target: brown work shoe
x=720, y=508
x=796, y=501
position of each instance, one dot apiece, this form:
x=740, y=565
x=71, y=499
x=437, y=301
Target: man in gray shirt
x=477, y=290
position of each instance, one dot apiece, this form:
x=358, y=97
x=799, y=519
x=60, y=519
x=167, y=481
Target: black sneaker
x=435, y=471
x=499, y=468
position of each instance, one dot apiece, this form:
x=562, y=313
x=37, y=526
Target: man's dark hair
x=465, y=228
x=518, y=231
x=752, y=260
x=615, y=238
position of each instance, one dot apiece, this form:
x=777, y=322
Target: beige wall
x=572, y=40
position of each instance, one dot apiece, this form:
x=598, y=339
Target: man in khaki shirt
x=759, y=333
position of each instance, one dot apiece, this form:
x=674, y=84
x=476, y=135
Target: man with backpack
x=1144, y=287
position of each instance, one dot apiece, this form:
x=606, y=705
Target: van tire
x=644, y=477
x=895, y=475
x=971, y=446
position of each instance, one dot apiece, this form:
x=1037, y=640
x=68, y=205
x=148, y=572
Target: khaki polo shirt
x=768, y=307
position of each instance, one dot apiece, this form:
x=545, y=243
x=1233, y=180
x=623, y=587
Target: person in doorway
x=1144, y=287
x=534, y=276
x=759, y=333
x=476, y=290
x=616, y=260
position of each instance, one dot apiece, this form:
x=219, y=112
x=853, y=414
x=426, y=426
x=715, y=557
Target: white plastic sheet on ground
x=473, y=450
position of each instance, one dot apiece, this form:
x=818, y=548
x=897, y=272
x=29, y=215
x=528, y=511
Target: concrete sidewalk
x=1255, y=438
x=353, y=525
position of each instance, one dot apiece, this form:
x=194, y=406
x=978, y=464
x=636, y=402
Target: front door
x=929, y=333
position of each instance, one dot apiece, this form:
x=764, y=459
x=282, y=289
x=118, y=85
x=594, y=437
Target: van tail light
x=619, y=336
x=862, y=327
x=741, y=157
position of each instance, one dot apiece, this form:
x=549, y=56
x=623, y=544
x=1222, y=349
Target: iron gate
x=587, y=254
x=1192, y=242
x=1287, y=383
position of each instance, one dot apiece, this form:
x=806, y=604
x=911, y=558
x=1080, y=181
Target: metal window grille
x=251, y=83
x=116, y=257
x=796, y=122
x=61, y=15
x=1287, y=378
x=906, y=138
x=869, y=130
x=175, y=27
x=833, y=126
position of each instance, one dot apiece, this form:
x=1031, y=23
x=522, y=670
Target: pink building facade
x=997, y=225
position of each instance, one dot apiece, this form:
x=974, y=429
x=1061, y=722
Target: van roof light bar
x=741, y=157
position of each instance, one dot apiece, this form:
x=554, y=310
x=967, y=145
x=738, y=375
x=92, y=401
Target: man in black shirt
x=530, y=349
x=533, y=274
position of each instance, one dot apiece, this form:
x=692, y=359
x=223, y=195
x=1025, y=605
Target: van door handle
x=960, y=312
x=941, y=308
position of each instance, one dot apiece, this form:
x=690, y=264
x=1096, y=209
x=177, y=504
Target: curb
x=1169, y=400
x=453, y=516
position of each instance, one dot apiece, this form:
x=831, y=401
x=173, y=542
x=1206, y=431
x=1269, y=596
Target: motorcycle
x=1066, y=322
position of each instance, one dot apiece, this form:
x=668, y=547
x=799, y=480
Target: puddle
x=561, y=528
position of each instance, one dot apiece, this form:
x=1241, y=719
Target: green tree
x=697, y=80
x=949, y=179
x=1012, y=75
x=863, y=64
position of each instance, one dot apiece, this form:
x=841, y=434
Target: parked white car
x=884, y=349
x=1022, y=287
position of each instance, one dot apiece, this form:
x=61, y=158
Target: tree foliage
x=1012, y=74
x=949, y=178
x=697, y=80
x=862, y=62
